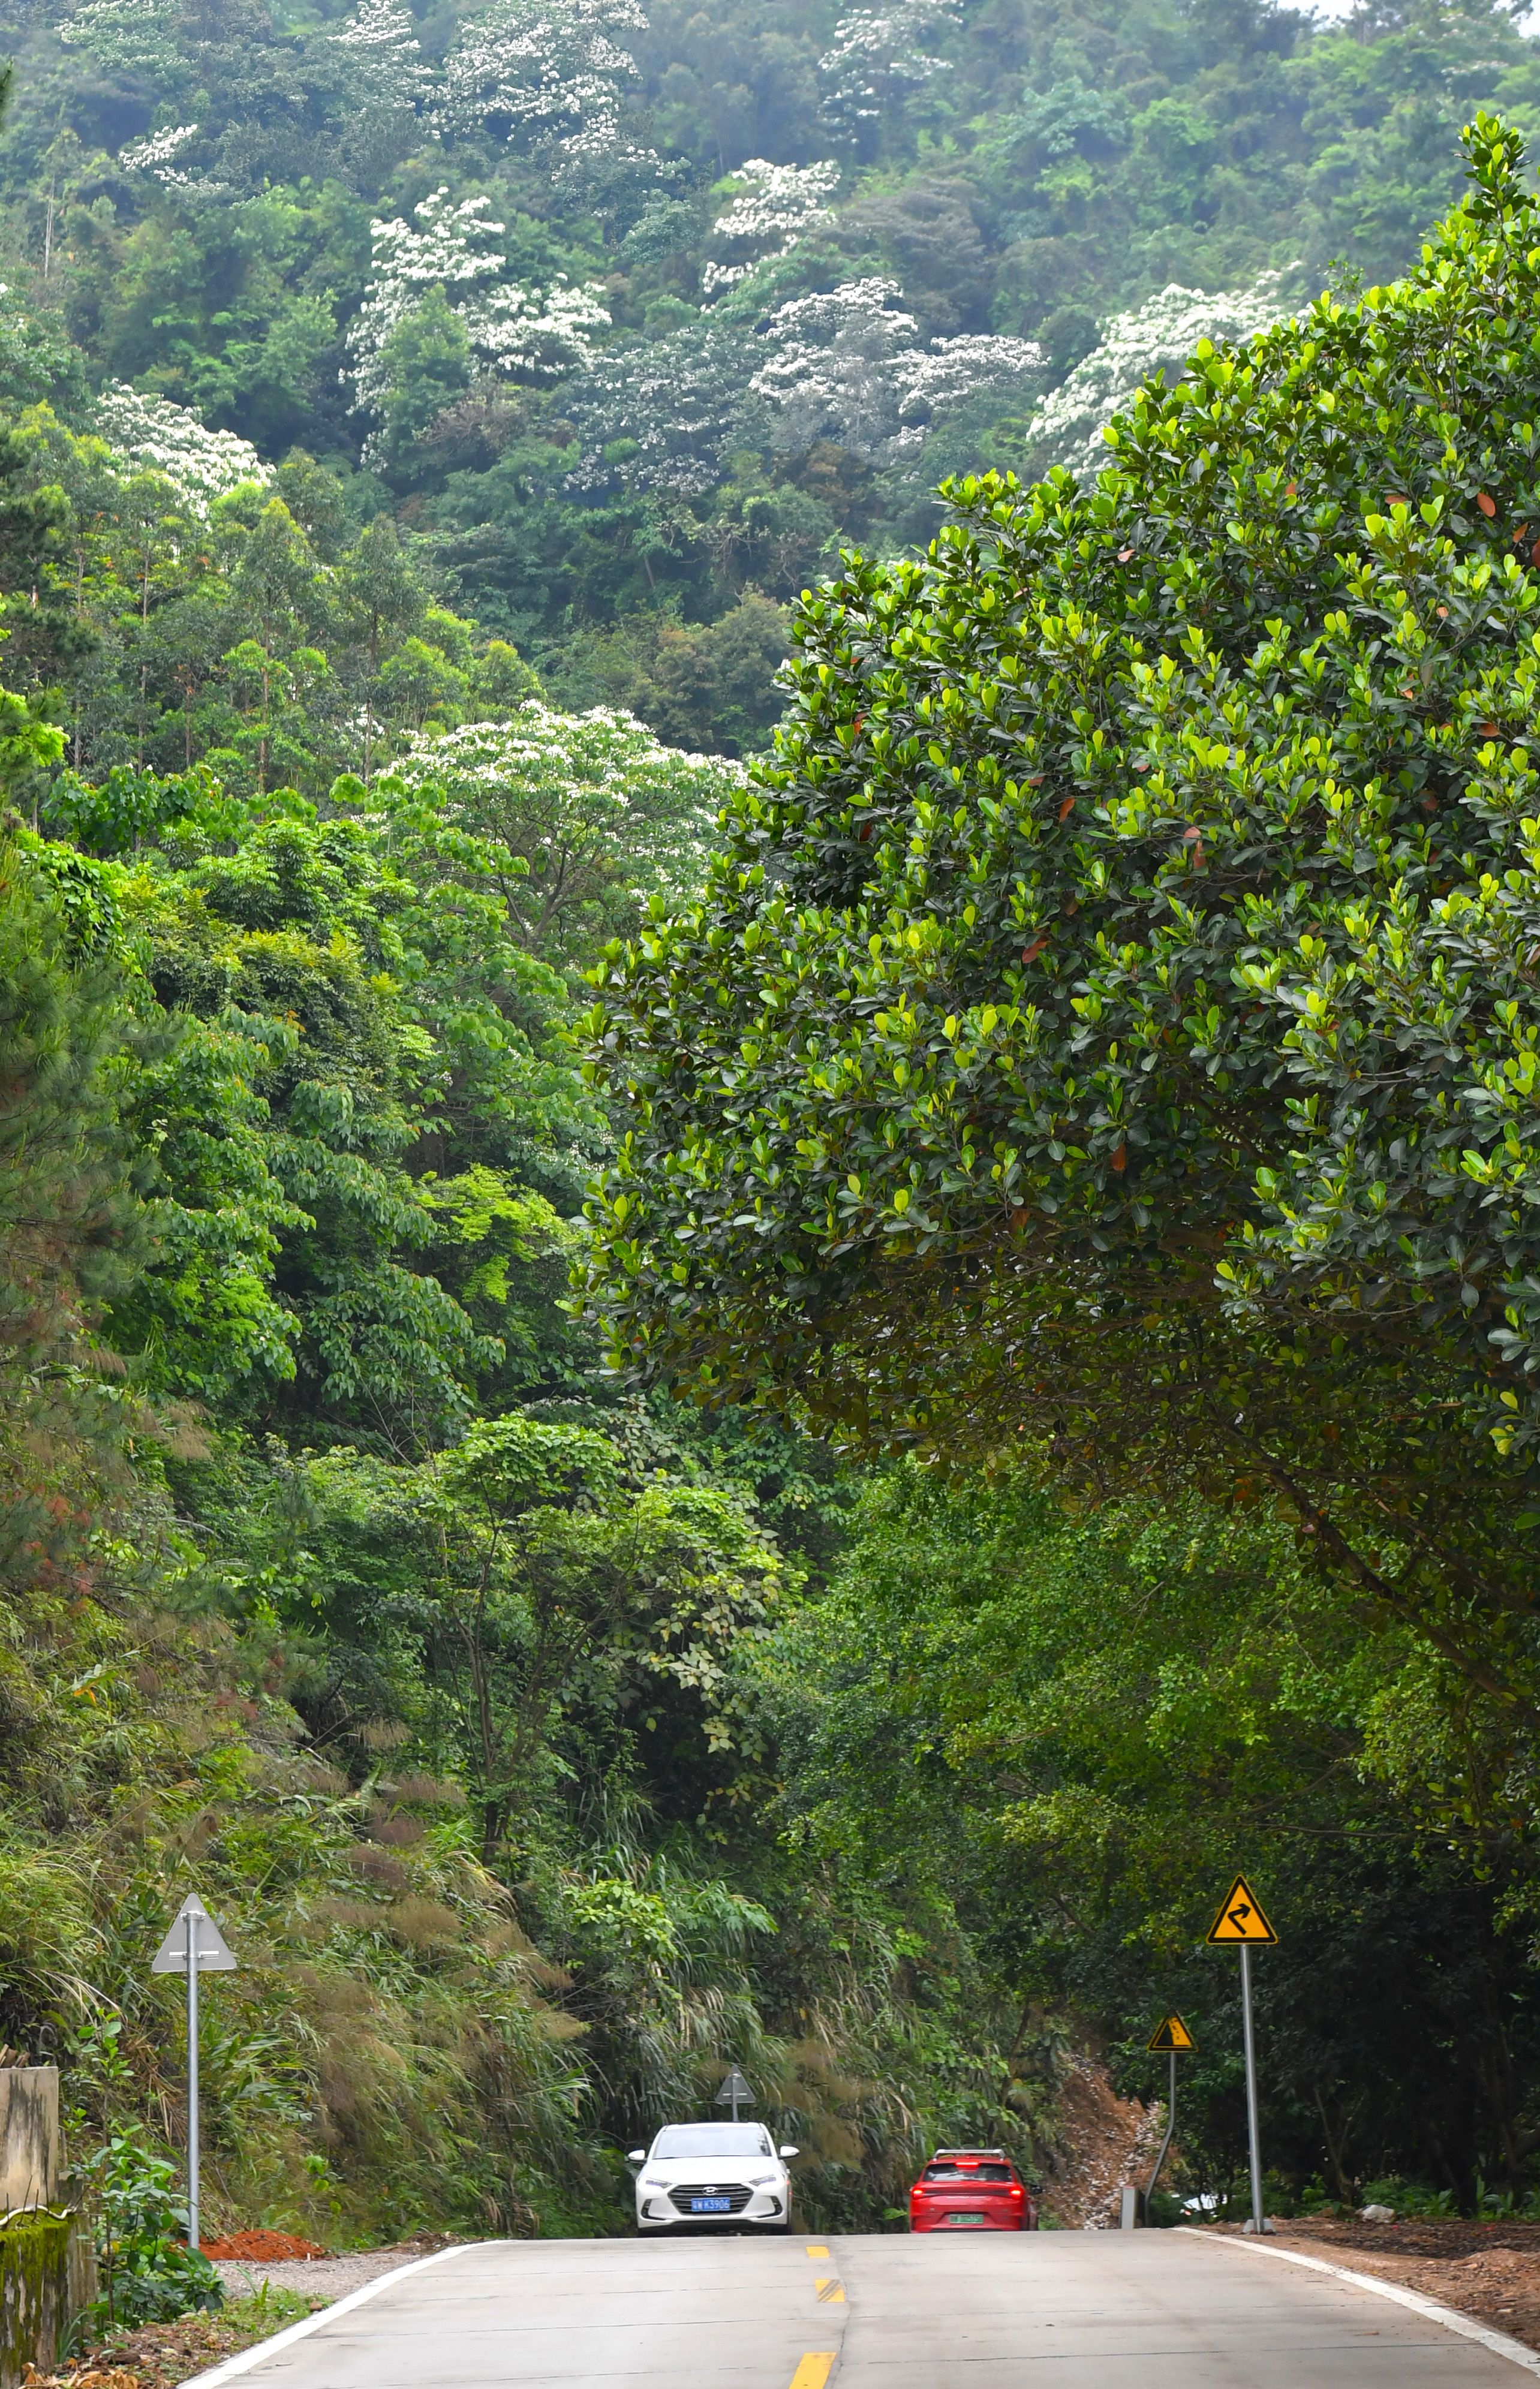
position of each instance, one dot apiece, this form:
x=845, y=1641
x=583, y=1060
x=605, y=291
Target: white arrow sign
x=214, y=1955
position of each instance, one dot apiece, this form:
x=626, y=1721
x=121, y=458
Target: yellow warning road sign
x=1241, y=1916
x=1171, y=2032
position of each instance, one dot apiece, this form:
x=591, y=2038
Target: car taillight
x=1016, y=2189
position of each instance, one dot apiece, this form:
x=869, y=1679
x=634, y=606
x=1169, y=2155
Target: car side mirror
x=635, y=2157
x=789, y=2152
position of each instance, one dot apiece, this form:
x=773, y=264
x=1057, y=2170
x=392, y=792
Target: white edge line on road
x=1497, y=2341
x=251, y=2356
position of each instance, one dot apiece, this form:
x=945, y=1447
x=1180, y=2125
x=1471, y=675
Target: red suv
x=971, y=2189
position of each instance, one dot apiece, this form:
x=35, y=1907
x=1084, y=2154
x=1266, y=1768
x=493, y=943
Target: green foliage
x=151, y=2275
x=1061, y=1734
x=70, y=1228
x=527, y=1738
x=1108, y=1021
x=189, y=206
x=559, y=822
x=353, y=1597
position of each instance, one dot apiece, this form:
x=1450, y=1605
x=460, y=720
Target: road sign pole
x=192, y=2079
x=195, y=1946
x=1242, y=1923
x=1253, y=2136
x=1171, y=2127
x=1171, y=2035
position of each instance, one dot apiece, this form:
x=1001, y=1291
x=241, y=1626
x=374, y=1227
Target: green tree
x=377, y=583
x=1109, y=1021
x=1072, y=1725
x=72, y=1230
x=426, y=363
x=564, y=820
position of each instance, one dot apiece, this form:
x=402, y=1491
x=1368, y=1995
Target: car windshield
x=713, y=2140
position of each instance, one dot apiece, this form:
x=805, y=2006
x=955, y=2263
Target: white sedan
x=731, y=2175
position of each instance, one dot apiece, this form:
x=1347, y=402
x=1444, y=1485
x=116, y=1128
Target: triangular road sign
x=1171, y=2032
x=735, y=2088
x=1241, y=1916
x=214, y=1956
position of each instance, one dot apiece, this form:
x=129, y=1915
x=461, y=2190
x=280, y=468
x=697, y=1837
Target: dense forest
x=416, y=434
x=620, y=322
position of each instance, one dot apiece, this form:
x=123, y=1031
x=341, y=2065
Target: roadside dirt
x=262, y=2248
x=1104, y=2141
x=1490, y=2270
x=158, y=2357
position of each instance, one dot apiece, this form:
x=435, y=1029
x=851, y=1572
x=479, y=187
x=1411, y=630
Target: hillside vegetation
x=622, y=319
x=416, y=432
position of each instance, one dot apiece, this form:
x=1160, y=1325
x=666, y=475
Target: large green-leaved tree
x=1113, y=1017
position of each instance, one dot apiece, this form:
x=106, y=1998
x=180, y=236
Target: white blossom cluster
x=771, y=208
x=556, y=72
x=875, y=55
x=153, y=155
x=847, y=364
x=673, y=402
x=950, y=375
x=511, y=330
x=137, y=34
x=564, y=788
x=380, y=43
x=1162, y=334
x=156, y=433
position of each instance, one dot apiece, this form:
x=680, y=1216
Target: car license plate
x=710, y=2206
x=963, y=2222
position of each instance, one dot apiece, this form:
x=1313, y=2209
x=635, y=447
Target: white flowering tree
x=514, y=332
x=139, y=35
x=770, y=210
x=1160, y=335
x=157, y=435
x=666, y=411
x=831, y=374
x=381, y=58
x=157, y=155
x=567, y=820
x=878, y=56
x=553, y=75
x=956, y=377
x=847, y=364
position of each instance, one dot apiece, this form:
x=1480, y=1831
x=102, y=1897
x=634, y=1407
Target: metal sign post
x=1252, y=2135
x=1170, y=2034
x=193, y=1945
x=1243, y=1922
x=734, y=2090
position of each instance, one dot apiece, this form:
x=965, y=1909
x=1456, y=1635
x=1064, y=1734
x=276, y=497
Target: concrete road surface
x=1033, y=2310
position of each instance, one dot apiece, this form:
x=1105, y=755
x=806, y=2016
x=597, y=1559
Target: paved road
x=1044, y=2310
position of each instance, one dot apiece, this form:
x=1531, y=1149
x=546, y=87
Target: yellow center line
x=812, y=2371
x=831, y=2294
x=817, y=2249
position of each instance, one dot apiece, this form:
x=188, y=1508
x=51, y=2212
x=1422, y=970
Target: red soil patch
x=260, y=2248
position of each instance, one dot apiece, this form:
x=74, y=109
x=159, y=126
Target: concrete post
x=28, y=2137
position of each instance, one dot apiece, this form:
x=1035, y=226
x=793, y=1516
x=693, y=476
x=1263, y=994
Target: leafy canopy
x=1112, y=1017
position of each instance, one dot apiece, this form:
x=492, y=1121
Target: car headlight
x=654, y=2185
x=762, y=2180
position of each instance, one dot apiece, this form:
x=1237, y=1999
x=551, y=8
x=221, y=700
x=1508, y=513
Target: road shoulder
x=1496, y=2343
